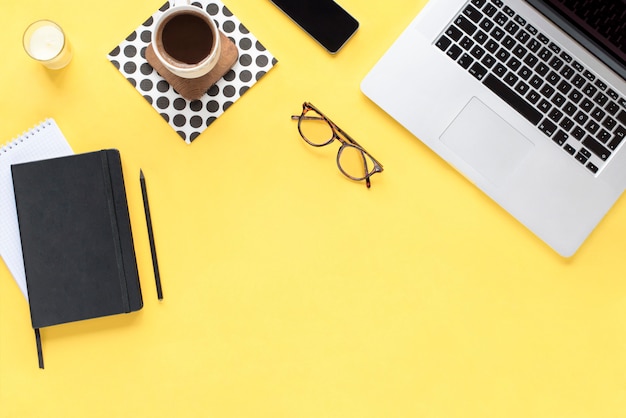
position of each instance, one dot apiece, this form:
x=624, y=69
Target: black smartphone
x=327, y=22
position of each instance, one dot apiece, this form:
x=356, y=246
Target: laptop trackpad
x=486, y=141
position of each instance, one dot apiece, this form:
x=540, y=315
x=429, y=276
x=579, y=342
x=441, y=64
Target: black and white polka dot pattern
x=190, y=118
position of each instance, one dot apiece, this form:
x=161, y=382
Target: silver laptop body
x=532, y=164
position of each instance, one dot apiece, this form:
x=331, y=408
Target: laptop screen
x=599, y=25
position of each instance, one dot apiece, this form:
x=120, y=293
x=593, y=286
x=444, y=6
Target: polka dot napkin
x=190, y=118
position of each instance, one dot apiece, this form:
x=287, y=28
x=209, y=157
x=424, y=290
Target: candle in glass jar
x=45, y=42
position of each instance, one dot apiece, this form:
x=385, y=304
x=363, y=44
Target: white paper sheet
x=42, y=142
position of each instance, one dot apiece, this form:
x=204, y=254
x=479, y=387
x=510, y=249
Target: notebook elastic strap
x=106, y=172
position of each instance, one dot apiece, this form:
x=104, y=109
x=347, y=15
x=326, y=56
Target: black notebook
x=76, y=238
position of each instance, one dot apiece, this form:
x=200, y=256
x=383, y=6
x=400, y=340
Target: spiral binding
x=24, y=136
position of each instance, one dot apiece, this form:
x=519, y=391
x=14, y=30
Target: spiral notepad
x=41, y=142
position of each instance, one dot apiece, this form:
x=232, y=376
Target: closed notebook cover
x=76, y=238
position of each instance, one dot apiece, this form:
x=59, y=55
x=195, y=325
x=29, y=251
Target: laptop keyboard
x=542, y=81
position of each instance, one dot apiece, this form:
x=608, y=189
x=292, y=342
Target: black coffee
x=187, y=38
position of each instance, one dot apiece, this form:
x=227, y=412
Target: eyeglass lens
x=315, y=129
x=354, y=163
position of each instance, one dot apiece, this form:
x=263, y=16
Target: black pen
x=146, y=208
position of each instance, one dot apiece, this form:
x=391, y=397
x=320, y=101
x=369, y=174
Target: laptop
x=526, y=98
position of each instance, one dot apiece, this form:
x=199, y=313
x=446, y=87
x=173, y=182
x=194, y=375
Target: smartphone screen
x=324, y=20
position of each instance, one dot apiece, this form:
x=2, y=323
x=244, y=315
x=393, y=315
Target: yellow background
x=291, y=291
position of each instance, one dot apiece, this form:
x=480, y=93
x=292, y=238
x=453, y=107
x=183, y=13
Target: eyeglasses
x=352, y=159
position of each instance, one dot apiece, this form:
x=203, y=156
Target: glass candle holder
x=46, y=42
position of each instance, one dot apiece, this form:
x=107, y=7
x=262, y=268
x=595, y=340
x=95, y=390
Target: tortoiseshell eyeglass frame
x=346, y=142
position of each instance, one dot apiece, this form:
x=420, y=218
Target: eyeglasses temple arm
x=348, y=137
x=341, y=131
x=368, y=183
x=296, y=117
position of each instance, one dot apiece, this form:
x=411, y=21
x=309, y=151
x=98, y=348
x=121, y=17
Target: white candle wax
x=45, y=41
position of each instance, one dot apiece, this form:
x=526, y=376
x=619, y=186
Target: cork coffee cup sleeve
x=194, y=88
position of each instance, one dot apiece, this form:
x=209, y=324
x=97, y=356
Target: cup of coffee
x=186, y=40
